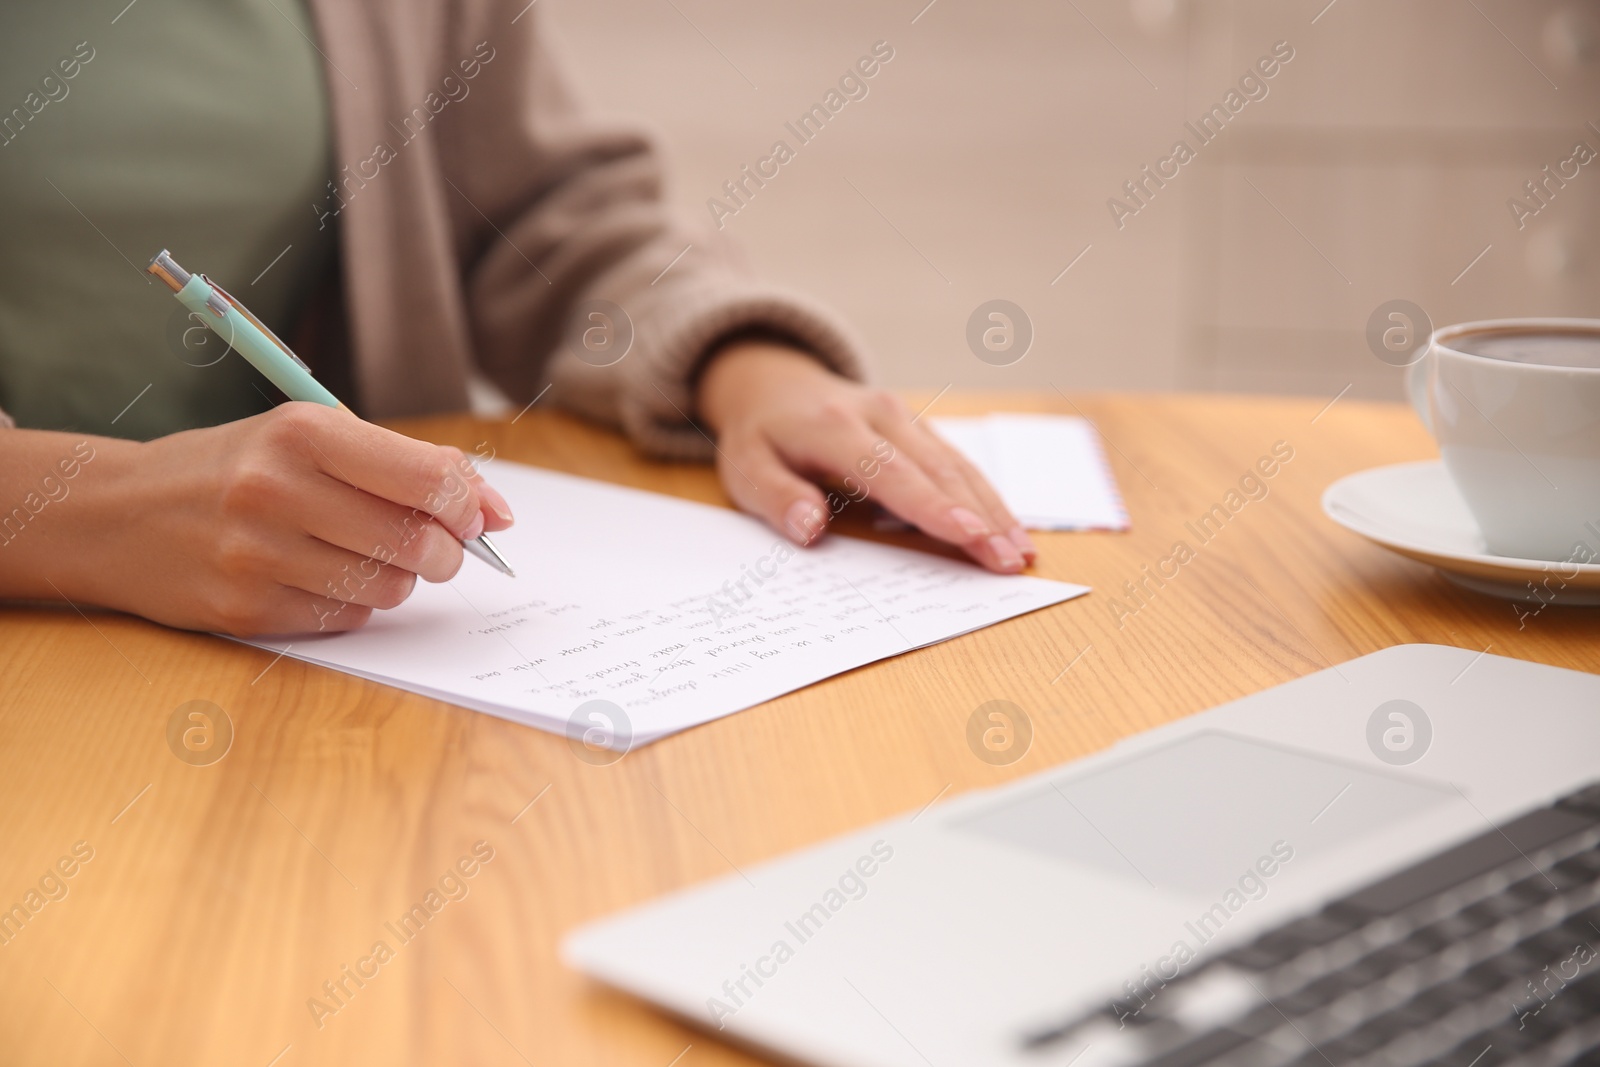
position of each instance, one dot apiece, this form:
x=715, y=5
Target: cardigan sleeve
x=565, y=238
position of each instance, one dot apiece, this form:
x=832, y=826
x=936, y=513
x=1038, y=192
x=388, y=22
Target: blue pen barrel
x=280, y=368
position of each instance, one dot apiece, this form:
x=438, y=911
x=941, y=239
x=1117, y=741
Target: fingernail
x=497, y=503
x=1024, y=543
x=1006, y=553
x=475, y=528
x=969, y=522
x=804, y=521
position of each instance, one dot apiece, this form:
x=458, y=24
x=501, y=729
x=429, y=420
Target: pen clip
x=218, y=290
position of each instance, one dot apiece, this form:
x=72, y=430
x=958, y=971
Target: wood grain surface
x=219, y=899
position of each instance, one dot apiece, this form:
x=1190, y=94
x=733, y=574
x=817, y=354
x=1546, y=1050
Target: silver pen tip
x=484, y=549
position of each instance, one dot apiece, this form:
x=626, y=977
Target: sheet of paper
x=676, y=612
x=1049, y=469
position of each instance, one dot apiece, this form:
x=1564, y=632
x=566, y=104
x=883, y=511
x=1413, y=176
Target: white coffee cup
x=1515, y=407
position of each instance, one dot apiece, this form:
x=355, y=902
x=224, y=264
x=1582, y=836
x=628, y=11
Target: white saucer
x=1415, y=510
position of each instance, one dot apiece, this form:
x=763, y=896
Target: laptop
x=1394, y=861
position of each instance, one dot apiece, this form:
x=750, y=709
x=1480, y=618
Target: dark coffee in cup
x=1549, y=348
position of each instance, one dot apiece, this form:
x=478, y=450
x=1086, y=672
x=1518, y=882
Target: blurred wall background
x=1378, y=165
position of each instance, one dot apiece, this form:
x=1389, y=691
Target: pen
x=232, y=322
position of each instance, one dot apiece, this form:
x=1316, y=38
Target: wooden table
x=221, y=898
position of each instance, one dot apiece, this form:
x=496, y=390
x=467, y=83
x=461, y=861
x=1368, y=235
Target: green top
x=200, y=126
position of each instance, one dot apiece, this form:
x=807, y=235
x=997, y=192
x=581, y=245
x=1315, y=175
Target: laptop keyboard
x=1484, y=955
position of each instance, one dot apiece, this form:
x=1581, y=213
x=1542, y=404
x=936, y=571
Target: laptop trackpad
x=1189, y=816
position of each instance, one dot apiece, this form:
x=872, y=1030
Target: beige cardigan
x=478, y=212
x=479, y=203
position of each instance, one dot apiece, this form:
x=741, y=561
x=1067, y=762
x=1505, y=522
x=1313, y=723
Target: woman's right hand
x=302, y=519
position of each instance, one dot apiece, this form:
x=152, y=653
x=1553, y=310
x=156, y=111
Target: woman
x=411, y=195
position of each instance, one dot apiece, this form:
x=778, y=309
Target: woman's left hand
x=783, y=422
